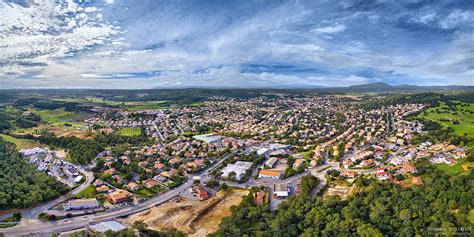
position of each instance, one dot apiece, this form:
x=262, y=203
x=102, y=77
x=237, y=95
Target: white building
x=81, y=204
x=271, y=162
x=262, y=151
x=238, y=167
x=34, y=151
x=281, y=190
x=107, y=225
x=78, y=179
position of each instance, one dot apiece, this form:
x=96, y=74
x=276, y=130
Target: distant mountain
x=375, y=86
x=384, y=87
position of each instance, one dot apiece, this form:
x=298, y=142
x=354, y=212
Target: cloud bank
x=168, y=44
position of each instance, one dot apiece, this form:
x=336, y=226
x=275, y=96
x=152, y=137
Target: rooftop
x=108, y=225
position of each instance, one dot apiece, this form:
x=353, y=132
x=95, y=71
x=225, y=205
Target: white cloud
x=330, y=29
x=457, y=18
x=45, y=30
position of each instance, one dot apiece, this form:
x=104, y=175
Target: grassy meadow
x=461, y=119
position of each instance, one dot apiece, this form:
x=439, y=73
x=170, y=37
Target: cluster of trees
x=4, y=121
x=376, y=209
x=114, y=139
x=80, y=151
x=28, y=121
x=20, y=184
x=289, y=171
x=442, y=135
x=51, y=105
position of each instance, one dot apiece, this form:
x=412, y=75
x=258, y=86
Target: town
x=194, y=151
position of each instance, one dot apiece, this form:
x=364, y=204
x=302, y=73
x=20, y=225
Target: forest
x=20, y=184
x=440, y=206
x=79, y=151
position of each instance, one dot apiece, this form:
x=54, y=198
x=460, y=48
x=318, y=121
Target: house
x=259, y=197
x=441, y=158
x=347, y=163
x=81, y=204
x=382, y=174
x=98, y=182
x=274, y=174
x=298, y=188
x=459, y=154
x=422, y=154
x=201, y=192
x=281, y=190
x=298, y=163
x=348, y=174
x=396, y=161
x=408, y=167
x=150, y=183
x=379, y=155
x=102, y=189
x=119, y=196
x=34, y=151
x=449, y=148
x=159, y=166
x=110, y=171
x=132, y=186
x=368, y=162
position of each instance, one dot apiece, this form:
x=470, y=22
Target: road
x=33, y=213
x=32, y=226
x=35, y=227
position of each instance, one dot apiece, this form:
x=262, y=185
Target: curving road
x=34, y=227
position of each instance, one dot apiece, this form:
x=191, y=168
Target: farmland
x=128, y=105
x=129, y=132
x=459, y=117
x=20, y=143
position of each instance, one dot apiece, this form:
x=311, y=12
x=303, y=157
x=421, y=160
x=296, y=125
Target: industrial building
x=238, y=167
x=281, y=190
x=81, y=204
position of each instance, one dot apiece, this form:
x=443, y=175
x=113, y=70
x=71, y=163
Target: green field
x=471, y=216
x=89, y=192
x=450, y=170
x=129, y=132
x=134, y=106
x=445, y=117
x=129, y=105
x=20, y=143
x=59, y=117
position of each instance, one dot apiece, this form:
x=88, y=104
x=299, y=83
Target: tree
x=372, y=211
x=232, y=175
x=212, y=183
x=21, y=185
x=224, y=187
x=140, y=226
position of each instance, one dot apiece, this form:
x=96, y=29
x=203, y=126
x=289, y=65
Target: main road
x=32, y=213
x=35, y=227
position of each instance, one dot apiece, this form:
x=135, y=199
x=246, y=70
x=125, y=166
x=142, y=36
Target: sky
x=119, y=44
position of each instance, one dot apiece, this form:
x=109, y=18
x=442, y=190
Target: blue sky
x=172, y=44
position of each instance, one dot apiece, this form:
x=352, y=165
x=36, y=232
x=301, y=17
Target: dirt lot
x=339, y=190
x=196, y=218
